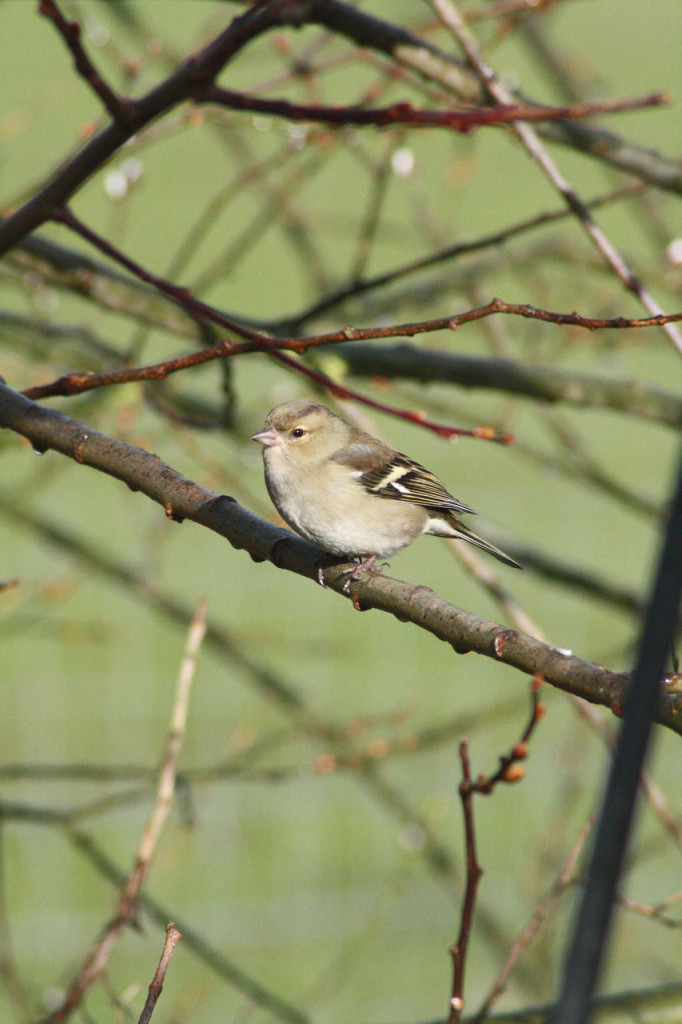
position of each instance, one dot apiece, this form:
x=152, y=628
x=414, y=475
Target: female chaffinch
x=329, y=481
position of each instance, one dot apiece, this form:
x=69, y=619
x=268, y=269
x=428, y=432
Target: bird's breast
x=338, y=514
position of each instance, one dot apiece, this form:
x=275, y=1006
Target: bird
x=350, y=493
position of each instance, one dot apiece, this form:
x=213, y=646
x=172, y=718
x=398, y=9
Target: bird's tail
x=464, y=533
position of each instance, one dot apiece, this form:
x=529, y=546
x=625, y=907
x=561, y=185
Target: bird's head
x=302, y=432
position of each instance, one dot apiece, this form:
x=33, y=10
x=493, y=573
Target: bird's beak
x=266, y=437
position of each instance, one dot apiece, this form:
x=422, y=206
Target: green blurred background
x=319, y=879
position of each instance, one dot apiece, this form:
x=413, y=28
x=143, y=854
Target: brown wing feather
x=398, y=477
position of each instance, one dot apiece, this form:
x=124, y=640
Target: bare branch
x=194, y=71
x=128, y=901
x=509, y=771
x=434, y=64
x=71, y=34
x=183, y=499
x=447, y=10
x=172, y=938
x=419, y=364
x=257, y=342
x=406, y=114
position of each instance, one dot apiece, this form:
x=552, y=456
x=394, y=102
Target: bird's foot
x=358, y=571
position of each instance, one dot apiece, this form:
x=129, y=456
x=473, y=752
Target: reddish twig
x=258, y=341
x=156, y=986
x=457, y=320
x=418, y=418
x=406, y=114
x=70, y=32
x=474, y=872
x=77, y=382
x=509, y=771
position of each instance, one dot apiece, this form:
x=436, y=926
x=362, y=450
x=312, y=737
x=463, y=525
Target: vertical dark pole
x=590, y=935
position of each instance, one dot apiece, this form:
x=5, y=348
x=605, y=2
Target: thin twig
x=77, y=382
x=450, y=16
x=156, y=986
x=70, y=32
x=409, y=115
x=473, y=876
x=126, y=911
x=509, y=771
x=259, y=342
x=167, y=777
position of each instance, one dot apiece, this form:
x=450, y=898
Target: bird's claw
x=356, y=572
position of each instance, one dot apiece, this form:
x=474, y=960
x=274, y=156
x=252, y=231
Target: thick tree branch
x=183, y=499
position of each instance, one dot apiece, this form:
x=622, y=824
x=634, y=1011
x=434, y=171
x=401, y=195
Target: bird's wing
x=389, y=474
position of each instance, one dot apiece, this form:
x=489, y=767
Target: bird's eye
x=298, y=432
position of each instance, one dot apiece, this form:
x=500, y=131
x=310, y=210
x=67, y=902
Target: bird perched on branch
x=350, y=493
